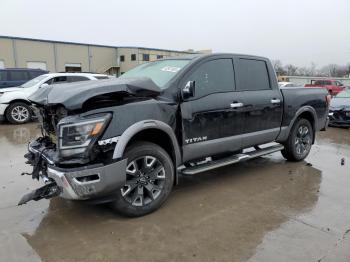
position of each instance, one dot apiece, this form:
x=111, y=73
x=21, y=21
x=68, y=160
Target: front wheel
x=299, y=142
x=149, y=180
x=18, y=113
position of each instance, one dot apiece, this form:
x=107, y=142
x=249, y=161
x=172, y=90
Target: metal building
x=57, y=56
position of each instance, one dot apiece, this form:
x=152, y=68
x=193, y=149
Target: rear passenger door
x=262, y=104
x=210, y=124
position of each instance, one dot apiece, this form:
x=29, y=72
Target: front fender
x=7, y=98
x=131, y=131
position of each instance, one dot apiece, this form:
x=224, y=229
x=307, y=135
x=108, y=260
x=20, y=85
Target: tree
x=291, y=70
x=277, y=65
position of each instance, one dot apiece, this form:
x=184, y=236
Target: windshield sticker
x=171, y=69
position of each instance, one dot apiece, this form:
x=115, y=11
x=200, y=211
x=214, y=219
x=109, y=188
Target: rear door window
x=59, y=80
x=252, y=75
x=215, y=76
x=77, y=78
x=18, y=75
x=3, y=75
x=33, y=74
x=101, y=77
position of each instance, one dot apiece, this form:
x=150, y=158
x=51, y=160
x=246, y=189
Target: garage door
x=36, y=65
x=73, y=67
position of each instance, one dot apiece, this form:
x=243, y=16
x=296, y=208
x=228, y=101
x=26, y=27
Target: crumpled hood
x=73, y=95
x=340, y=104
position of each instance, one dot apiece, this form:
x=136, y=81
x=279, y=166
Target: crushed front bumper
x=89, y=181
x=339, y=119
x=76, y=183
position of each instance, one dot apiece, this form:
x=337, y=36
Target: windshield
x=161, y=72
x=34, y=81
x=343, y=94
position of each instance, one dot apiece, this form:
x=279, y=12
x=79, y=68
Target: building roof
x=97, y=45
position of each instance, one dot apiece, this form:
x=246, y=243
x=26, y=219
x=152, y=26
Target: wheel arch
x=306, y=112
x=19, y=100
x=153, y=131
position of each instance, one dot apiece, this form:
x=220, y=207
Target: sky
x=294, y=31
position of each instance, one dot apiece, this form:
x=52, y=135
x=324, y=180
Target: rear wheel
x=299, y=142
x=149, y=180
x=18, y=113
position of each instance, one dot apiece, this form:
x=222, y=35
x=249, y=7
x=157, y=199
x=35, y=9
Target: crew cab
x=125, y=141
x=14, y=103
x=332, y=86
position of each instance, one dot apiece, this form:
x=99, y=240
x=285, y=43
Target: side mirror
x=44, y=85
x=188, y=90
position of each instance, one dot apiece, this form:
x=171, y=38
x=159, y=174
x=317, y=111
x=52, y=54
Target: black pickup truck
x=125, y=141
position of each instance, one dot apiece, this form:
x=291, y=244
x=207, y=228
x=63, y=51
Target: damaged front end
x=339, y=117
x=69, y=159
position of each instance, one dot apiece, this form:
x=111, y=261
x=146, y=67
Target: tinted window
x=133, y=57
x=18, y=75
x=77, y=78
x=59, y=80
x=145, y=57
x=3, y=76
x=122, y=58
x=213, y=77
x=101, y=77
x=253, y=75
x=339, y=83
x=33, y=74
x=159, y=56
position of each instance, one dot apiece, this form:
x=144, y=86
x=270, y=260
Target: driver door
x=210, y=124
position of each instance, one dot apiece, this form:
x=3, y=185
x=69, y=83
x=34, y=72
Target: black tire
x=18, y=113
x=147, y=187
x=298, y=145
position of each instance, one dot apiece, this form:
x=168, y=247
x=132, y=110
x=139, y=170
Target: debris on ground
x=342, y=161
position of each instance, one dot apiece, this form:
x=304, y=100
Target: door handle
x=236, y=105
x=275, y=101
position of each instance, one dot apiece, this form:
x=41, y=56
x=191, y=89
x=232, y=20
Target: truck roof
x=195, y=56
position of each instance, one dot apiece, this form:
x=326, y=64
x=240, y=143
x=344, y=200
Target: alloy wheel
x=20, y=113
x=302, y=140
x=145, y=179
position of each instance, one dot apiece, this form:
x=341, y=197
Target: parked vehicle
x=14, y=103
x=339, y=110
x=288, y=84
x=125, y=141
x=11, y=77
x=333, y=86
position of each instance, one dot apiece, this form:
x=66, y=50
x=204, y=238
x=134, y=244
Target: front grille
x=341, y=115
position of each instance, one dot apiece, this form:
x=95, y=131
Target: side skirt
x=231, y=160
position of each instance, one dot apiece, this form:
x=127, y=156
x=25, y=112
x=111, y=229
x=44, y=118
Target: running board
x=230, y=160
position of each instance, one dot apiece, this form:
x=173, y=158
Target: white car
x=288, y=84
x=14, y=104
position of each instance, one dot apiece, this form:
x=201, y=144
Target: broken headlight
x=76, y=134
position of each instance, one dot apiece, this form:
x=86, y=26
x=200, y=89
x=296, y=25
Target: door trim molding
x=226, y=144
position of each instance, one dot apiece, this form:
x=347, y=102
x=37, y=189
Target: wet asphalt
x=266, y=209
